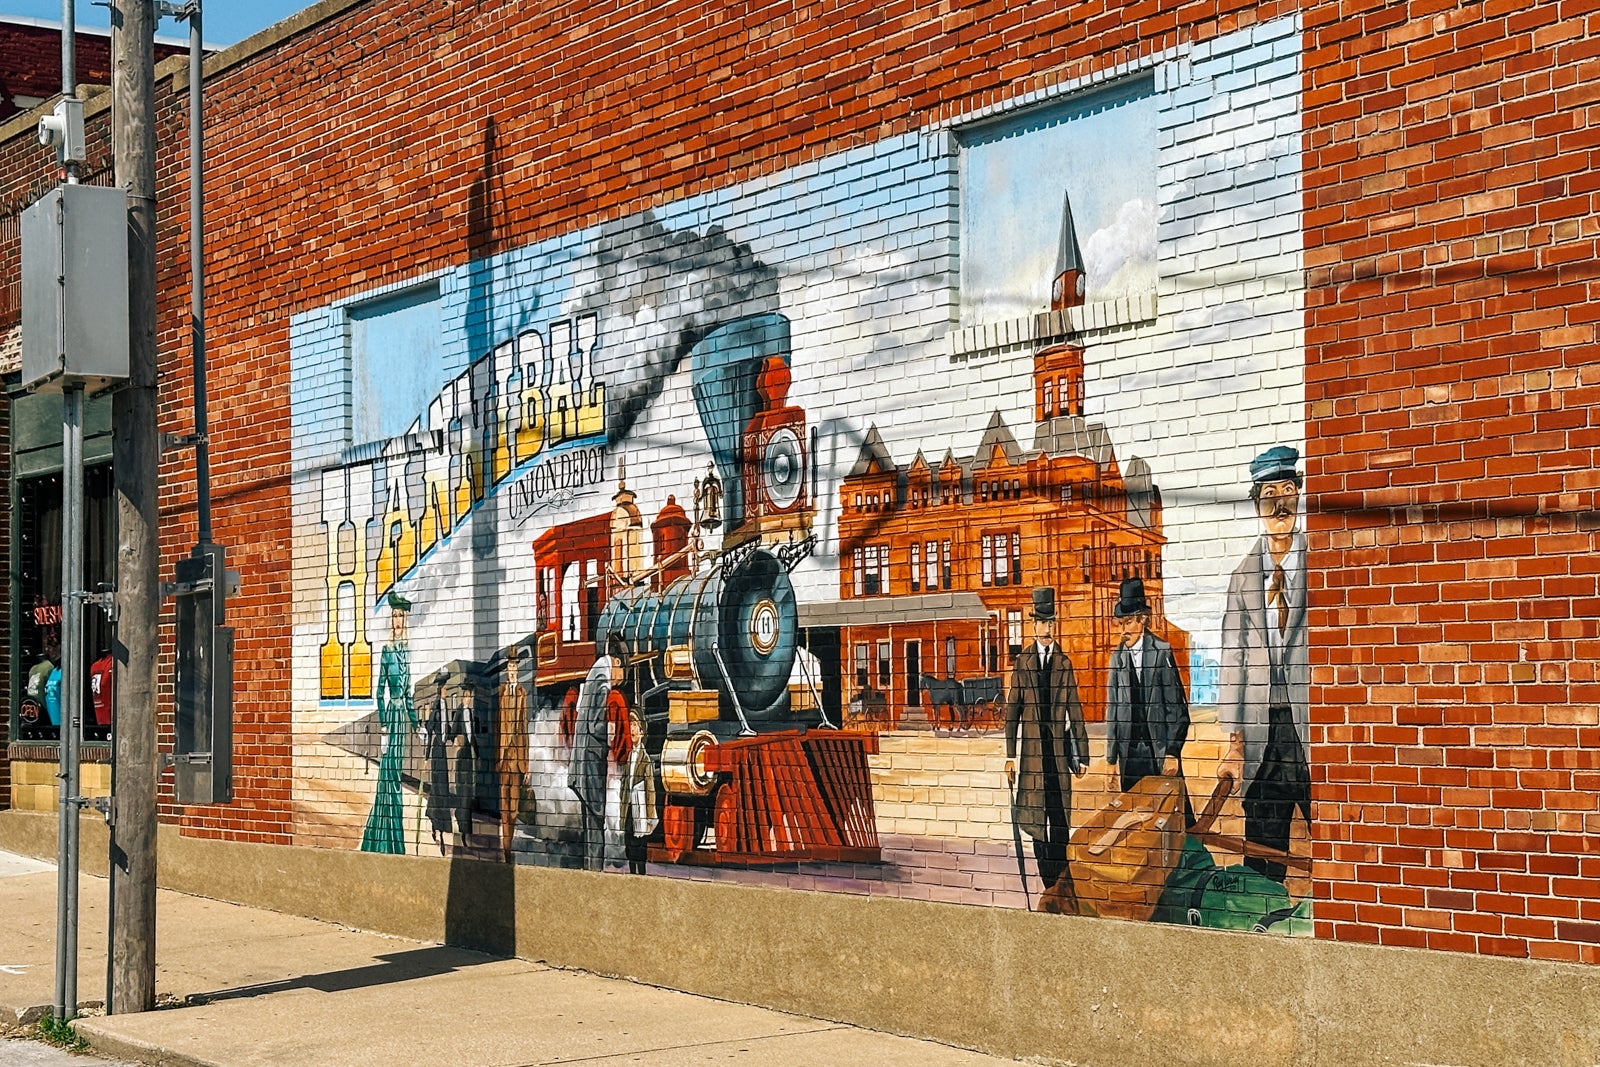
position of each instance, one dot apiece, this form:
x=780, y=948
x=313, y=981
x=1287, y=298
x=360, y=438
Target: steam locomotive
x=751, y=769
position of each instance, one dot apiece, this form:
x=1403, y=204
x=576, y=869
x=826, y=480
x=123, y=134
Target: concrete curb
x=122, y=1047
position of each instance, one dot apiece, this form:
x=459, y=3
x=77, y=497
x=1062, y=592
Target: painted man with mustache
x=1265, y=680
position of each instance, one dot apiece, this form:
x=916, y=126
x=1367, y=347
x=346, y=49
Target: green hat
x=1277, y=464
x=398, y=602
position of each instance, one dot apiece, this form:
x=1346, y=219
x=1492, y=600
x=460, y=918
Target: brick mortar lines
x=1485, y=830
x=1392, y=262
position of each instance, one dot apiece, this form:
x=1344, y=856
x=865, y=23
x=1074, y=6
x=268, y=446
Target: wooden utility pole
x=135, y=454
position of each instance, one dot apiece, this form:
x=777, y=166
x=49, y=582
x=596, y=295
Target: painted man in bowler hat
x=1147, y=712
x=1265, y=684
x=1046, y=743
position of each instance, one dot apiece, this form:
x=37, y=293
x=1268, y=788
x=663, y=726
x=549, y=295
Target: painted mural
x=815, y=533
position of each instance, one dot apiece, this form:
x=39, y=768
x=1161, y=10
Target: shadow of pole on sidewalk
x=393, y=967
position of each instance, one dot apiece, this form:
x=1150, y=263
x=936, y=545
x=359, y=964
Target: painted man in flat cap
x=1265, y=684
x=1046, y=743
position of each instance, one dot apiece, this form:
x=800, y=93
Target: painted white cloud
x=1121, y=258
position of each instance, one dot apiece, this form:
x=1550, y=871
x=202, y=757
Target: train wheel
x=677, y=830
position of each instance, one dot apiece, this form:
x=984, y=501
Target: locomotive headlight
x=764, y=627
x=784, y=468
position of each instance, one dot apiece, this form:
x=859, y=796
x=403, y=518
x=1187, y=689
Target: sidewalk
x=268, y=990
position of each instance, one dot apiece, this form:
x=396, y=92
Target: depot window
x=1001, y=558
x=870, y=565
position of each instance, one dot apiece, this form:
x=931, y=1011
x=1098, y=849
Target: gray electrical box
x=202, y=751
x=75, y=289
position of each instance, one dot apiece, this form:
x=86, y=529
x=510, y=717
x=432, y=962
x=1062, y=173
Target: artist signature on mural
x=556, y=499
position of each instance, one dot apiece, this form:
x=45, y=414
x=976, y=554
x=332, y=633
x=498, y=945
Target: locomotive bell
x=708, y=501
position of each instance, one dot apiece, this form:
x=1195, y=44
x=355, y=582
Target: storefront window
x=39, y=713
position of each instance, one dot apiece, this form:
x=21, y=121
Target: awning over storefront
x=892, y=610
x=36, y=432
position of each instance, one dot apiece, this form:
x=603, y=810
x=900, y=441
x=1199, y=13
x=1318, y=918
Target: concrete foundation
x=1061, y=990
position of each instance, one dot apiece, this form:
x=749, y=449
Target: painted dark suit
x=433, y=750
x=451, y=746
x=1046, y=736
x=1147, y=713
x=1265, y=694
x=592, y=741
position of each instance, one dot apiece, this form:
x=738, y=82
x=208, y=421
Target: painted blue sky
x=1100, y=149
x=226, y=22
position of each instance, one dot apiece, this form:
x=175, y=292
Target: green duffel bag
x=1195, y=867
x=1289, y=922
x=1199, y=893
x=1235, y=898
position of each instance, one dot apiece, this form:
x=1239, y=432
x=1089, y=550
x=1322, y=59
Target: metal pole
x=66, y=988
x=111, y=856
x=197, y=320
x=135, y=454
x=71, y=698
x=69, y=77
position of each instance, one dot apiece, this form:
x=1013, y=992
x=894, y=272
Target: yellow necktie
x=1277, y=600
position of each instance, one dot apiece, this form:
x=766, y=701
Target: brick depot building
x=796, y=278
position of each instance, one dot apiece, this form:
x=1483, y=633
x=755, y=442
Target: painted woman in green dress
x=397, y=716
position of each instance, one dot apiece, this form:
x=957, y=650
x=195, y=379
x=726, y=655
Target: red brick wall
x=30, y=62
x=370, y=126
x=249, y=433
x=1452, y=379
x=1450, y=236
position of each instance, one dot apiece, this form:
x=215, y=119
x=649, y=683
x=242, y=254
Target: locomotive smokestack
x=659, y=292
x=725, y=370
